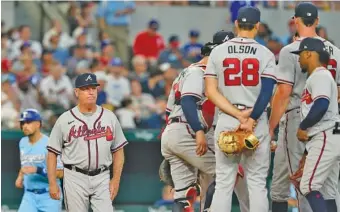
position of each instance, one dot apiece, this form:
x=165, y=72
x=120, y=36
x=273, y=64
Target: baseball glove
x=165, y=173
x=235, y=142
x=296, y=177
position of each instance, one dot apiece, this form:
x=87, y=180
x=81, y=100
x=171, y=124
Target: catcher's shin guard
x=187, y=202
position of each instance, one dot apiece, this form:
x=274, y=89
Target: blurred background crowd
x=135, y=77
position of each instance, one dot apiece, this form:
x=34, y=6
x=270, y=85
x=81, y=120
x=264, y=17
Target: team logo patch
x=306, y=97
x=91, y=134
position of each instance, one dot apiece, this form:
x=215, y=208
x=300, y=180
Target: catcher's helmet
x=30, y=115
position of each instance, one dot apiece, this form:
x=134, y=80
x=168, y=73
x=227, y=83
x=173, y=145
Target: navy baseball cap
x=222, y=36
x=153, y=24
x=86, y=79
x=194, y=33
x=306, y=10
x=173, y=38
x=311, y=44
x=248, y=14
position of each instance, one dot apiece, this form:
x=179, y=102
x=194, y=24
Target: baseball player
x=286, y=105
x=319, y=127
x=89, y=138
x=32, y=175
x=186, y=142
x=240, y=75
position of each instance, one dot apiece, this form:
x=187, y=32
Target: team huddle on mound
x=218, y=138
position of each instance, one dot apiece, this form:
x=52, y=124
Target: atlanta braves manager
x=89, y=138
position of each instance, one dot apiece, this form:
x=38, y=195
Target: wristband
x=41, y=171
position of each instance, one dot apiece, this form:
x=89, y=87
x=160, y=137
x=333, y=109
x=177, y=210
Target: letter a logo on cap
x=88, y=78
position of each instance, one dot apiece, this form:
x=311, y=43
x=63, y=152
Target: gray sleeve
x=55, y=141
x=321, y=90
x=210, y=71
x=286, y=68
x=171, y=99
x=119, y=138
x=270, y=71
x=193, y=83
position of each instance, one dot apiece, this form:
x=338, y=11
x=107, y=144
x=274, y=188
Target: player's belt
x=241, y=106
x=177, y=119
x=86, y=172
x=38, y=191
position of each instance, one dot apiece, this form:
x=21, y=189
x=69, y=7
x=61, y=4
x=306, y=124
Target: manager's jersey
x=35, y=155
x=238, y=66
x=188, y=83
x=87, y=140
x=314, y=90
x=289, y=71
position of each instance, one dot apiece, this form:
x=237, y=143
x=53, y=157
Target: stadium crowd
x=134, y=81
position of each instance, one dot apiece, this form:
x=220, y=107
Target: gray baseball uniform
x=238, y=66
x=290, y=150
x=321, y=167
x=179, y=145
x=86, y=142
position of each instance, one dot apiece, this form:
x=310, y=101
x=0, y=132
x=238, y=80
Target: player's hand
x=29, y=170
x=244, y=115
x=54, y=191
x=273, y=146
x=271, y=133
x=19, y=182
x=114, y=187
x=248, y=125
x=302, y=135
x=201, y=143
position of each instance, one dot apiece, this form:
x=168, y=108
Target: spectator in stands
x=25, y=37
x=9, y=105
x=149, y=43
x=87, y=19
x=142, y=102
x=140, y=69
x=65, y=41
x=155, y=84
x=292, y=29
x=57, y=89
x=60, y=53
x=107, y=52
x=192, y=50
x=46, y=61
x=157, y=118
x=79, y=62
x=114, y=17
x=73, y=15
x=170, y=75
x=80, y=34
x=6, y=66
x=13, y=34
x=275, y=45
x=102, y=80
x=127, y=115
x=5, y=50
x=118, y=86
x=173, y=55
x=96, y=66
x=322, y=32
x=24, y=64
x=28, y=94
x=263, y=34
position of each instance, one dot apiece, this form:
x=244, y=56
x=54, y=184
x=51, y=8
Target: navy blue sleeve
x=41, y=171
x=315, y=114
x=267, y=86
x=189, y=107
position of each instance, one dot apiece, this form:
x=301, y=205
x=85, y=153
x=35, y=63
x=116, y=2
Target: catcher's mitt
x=296, y=177
x=165, y=173
x=235, y=142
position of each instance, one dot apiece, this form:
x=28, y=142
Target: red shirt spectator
x=149, y=43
